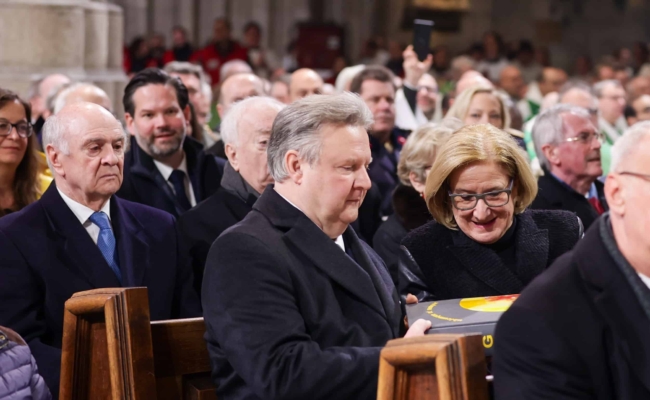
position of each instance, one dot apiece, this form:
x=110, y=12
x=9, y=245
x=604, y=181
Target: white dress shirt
x=339, y=240
x=166, y=172
x=83, y=214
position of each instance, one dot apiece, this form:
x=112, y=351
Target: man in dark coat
x=296, y=306
x=79, y=236
x=580, y=330
x=567, y=143
x=164, y=168
x=376, y=87
x=245, y=131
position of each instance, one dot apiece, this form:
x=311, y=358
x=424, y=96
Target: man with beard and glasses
x=164, y=168
x=568, y=143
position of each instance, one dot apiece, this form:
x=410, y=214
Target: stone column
x=80, y=38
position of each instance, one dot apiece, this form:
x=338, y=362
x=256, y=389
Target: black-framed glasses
x=23, y=128
x=587, y=137
x=466, y=202
x=636, y=175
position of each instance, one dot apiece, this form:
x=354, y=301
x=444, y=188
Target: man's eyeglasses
x=587, y=137
x=23, y=128
x=466, y=202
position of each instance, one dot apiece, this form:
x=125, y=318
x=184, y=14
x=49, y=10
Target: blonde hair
x=420, y=149
x=475, y=143
x=460, y=108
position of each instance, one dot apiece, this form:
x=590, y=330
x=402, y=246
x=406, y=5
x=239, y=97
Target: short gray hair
x=247, y=108
x=549, y=128
x=600, y=87
x=186, y=68
x=53, y=132
x=60, y=98
x=230, y=68
x=298, y=127
x=624, y=146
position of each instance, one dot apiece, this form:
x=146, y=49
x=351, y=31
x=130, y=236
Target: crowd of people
x=301, y=225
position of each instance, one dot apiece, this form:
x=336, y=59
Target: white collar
x=339, y=240
x=166, y=170
x=81, y=211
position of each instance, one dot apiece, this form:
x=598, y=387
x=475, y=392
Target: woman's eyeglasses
x=466, y=202
x=23, y=128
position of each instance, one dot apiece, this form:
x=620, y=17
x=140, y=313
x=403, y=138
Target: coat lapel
x=616, y=302
x=380, y=278
x=322, y=252
x=132, y=247
x=74, y=248
x=484, y=265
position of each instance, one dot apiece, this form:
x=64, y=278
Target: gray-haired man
x=296, y=306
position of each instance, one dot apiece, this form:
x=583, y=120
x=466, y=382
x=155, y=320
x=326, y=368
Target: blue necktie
x=106, y=241
x=177, y=178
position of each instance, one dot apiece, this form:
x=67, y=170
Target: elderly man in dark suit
x=580, y=330
x=245, y=131
x=79, y=236
x=164, y=168
x=295, y=305
x=568, y=143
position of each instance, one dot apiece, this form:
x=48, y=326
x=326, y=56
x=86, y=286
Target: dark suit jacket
x=47, y=256
x=553, y=195
x=289, y=314
x=576, y=332
x=383, y=168
x=144, y=184
x=439, y=263
x=202, y=225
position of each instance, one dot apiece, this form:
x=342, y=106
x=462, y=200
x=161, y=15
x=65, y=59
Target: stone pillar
x=80, y=38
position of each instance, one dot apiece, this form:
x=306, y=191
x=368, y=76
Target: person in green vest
x=611, y=122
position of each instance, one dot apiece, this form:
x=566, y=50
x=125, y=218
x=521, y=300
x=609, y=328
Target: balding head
x=84, y=145
x=237, y=88
x=551, y=80
x=46, y=86
x=472, y=78
x=82, y=92
x=304, y=82
x=512, y=82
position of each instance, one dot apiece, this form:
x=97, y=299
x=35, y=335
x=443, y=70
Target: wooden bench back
x=111, y=350
x=440, y=367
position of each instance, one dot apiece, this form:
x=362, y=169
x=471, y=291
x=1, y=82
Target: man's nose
x=363, y=180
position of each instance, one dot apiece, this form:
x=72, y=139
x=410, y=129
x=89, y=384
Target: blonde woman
x=410, y=210
x=483, y=240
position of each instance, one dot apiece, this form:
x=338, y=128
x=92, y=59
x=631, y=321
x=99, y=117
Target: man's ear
x=129, y=123
x=220, y=110
x=294, y=166
x=187, y=113
x=550, y=152
x=615, y=193
x=55, y=159
x=231, y=154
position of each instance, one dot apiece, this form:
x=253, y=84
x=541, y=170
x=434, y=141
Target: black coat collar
x=301, y=234
x=77, y=251
x=615, y=301
x=531, y=251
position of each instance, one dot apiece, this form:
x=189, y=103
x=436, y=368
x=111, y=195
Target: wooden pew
x=111, y=350
x=441, y=367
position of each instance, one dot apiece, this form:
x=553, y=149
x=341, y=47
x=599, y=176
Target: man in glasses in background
x=568, y=143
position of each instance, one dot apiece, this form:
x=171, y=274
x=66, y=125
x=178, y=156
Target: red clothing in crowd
x=212, y=59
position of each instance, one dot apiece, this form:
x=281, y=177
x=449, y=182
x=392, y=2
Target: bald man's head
x=304, y=82
x=237, y=88
x=512, y=82
x=84, y=145
x=47, y=86
x=82, y=92
x=472, y=78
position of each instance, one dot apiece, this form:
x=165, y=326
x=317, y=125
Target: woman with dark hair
x=20, y=180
